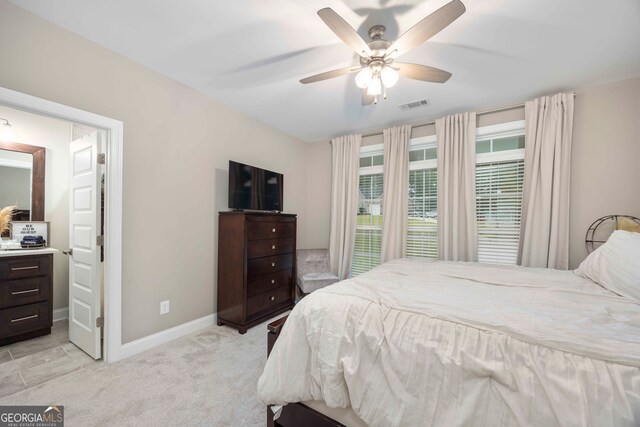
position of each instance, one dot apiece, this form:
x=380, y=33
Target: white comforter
x=415, y=343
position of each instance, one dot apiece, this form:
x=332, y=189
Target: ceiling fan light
x=389, y=76
x=375, y=87
x=364, y=77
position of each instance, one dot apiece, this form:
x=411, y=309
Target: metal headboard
x=590, y=242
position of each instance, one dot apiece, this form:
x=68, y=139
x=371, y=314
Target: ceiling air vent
x=415, y=104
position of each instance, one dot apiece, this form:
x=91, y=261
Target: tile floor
x=29, y=363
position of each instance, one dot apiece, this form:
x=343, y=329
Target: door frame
x=112, y=351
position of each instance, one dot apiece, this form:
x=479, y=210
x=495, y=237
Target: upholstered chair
x=313, y=270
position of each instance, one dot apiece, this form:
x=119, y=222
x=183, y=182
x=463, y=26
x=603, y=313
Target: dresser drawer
x=269, y=300
x=25, y=266
x=24, y=291
x=260, y=266
x=260, y=284
x=26, y=318
x=269, y=230
x=267, y=247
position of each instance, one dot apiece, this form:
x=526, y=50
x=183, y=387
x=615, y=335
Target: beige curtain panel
x=544, y=230
x=395, y=192
x=344, y=202
x=457, y=227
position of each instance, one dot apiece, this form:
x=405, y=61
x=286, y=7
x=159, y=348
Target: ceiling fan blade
x=427, y=28
x=330, y=74
x=422, y=72
x=344, y=31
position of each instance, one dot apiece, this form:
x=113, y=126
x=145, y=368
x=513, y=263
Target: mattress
x=414, y=343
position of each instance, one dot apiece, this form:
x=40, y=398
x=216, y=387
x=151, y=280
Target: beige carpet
x=205, y=379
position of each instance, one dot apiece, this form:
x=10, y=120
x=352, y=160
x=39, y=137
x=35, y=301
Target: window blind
x=366, y=253
x=499, y=207
x=422, y=226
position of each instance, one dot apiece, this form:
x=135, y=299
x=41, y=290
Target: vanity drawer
x=266, y=265
x=26, y=318
x=259, y=284
x=257, y=230
x=270, y=300
x=25, y=266
x=267, y=247
x=24, y=291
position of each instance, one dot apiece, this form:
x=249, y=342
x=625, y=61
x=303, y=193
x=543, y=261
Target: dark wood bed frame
x=294, y=414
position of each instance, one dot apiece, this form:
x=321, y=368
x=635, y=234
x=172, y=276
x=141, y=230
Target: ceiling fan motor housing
x=378, y=46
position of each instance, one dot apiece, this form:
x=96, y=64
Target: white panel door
x=84, y=259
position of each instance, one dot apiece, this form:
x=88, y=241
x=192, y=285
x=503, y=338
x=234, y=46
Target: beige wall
x=605, y=162
x=55, y=136
x=177, y=144
x=605, y=158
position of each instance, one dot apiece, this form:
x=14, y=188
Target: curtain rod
x=432, y=122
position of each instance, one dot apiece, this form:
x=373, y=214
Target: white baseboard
x=60, y=314
x=154, y=340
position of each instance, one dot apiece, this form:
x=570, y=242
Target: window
x=422, y=225
x=499, y=184
x=366, y=253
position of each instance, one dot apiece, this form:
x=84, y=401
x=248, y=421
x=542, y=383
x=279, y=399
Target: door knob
x=68, y=252
x=273, y=246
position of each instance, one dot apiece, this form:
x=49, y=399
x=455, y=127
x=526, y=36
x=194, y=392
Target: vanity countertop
x=24, y=252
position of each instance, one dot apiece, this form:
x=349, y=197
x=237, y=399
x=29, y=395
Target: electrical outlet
x=164, y=307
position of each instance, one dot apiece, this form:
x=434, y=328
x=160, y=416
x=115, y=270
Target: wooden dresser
x=26, y=303
x=256, y=267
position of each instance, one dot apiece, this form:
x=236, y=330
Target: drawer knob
x=273, y=298
x=273, y=264
x=273, y=246
x=273, y=280
x=273, y=230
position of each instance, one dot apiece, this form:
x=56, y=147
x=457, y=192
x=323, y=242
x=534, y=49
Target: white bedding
x=414, y=343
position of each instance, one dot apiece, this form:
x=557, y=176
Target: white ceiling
x=250, y=54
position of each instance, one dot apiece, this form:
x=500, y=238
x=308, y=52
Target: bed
x=414, y=343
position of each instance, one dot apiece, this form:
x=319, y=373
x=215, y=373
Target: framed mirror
x=22, y=176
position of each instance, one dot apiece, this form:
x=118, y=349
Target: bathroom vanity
x=26, y=285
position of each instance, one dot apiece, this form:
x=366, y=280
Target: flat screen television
x=252, y=188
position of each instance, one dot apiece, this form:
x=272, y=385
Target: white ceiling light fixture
x=363, y=78
x=377, y=70
x=389, y=76
x=375, y=87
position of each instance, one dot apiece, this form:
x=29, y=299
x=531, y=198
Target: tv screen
x=252, y=188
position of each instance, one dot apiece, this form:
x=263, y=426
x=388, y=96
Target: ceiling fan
x=377, y=70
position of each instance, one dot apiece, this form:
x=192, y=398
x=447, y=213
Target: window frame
x=492, y=132
x=418, y=143
x=502, y=130
x=369, y=151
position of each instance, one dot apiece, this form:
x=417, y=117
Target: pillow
x=628, y=224
x=616, y=264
